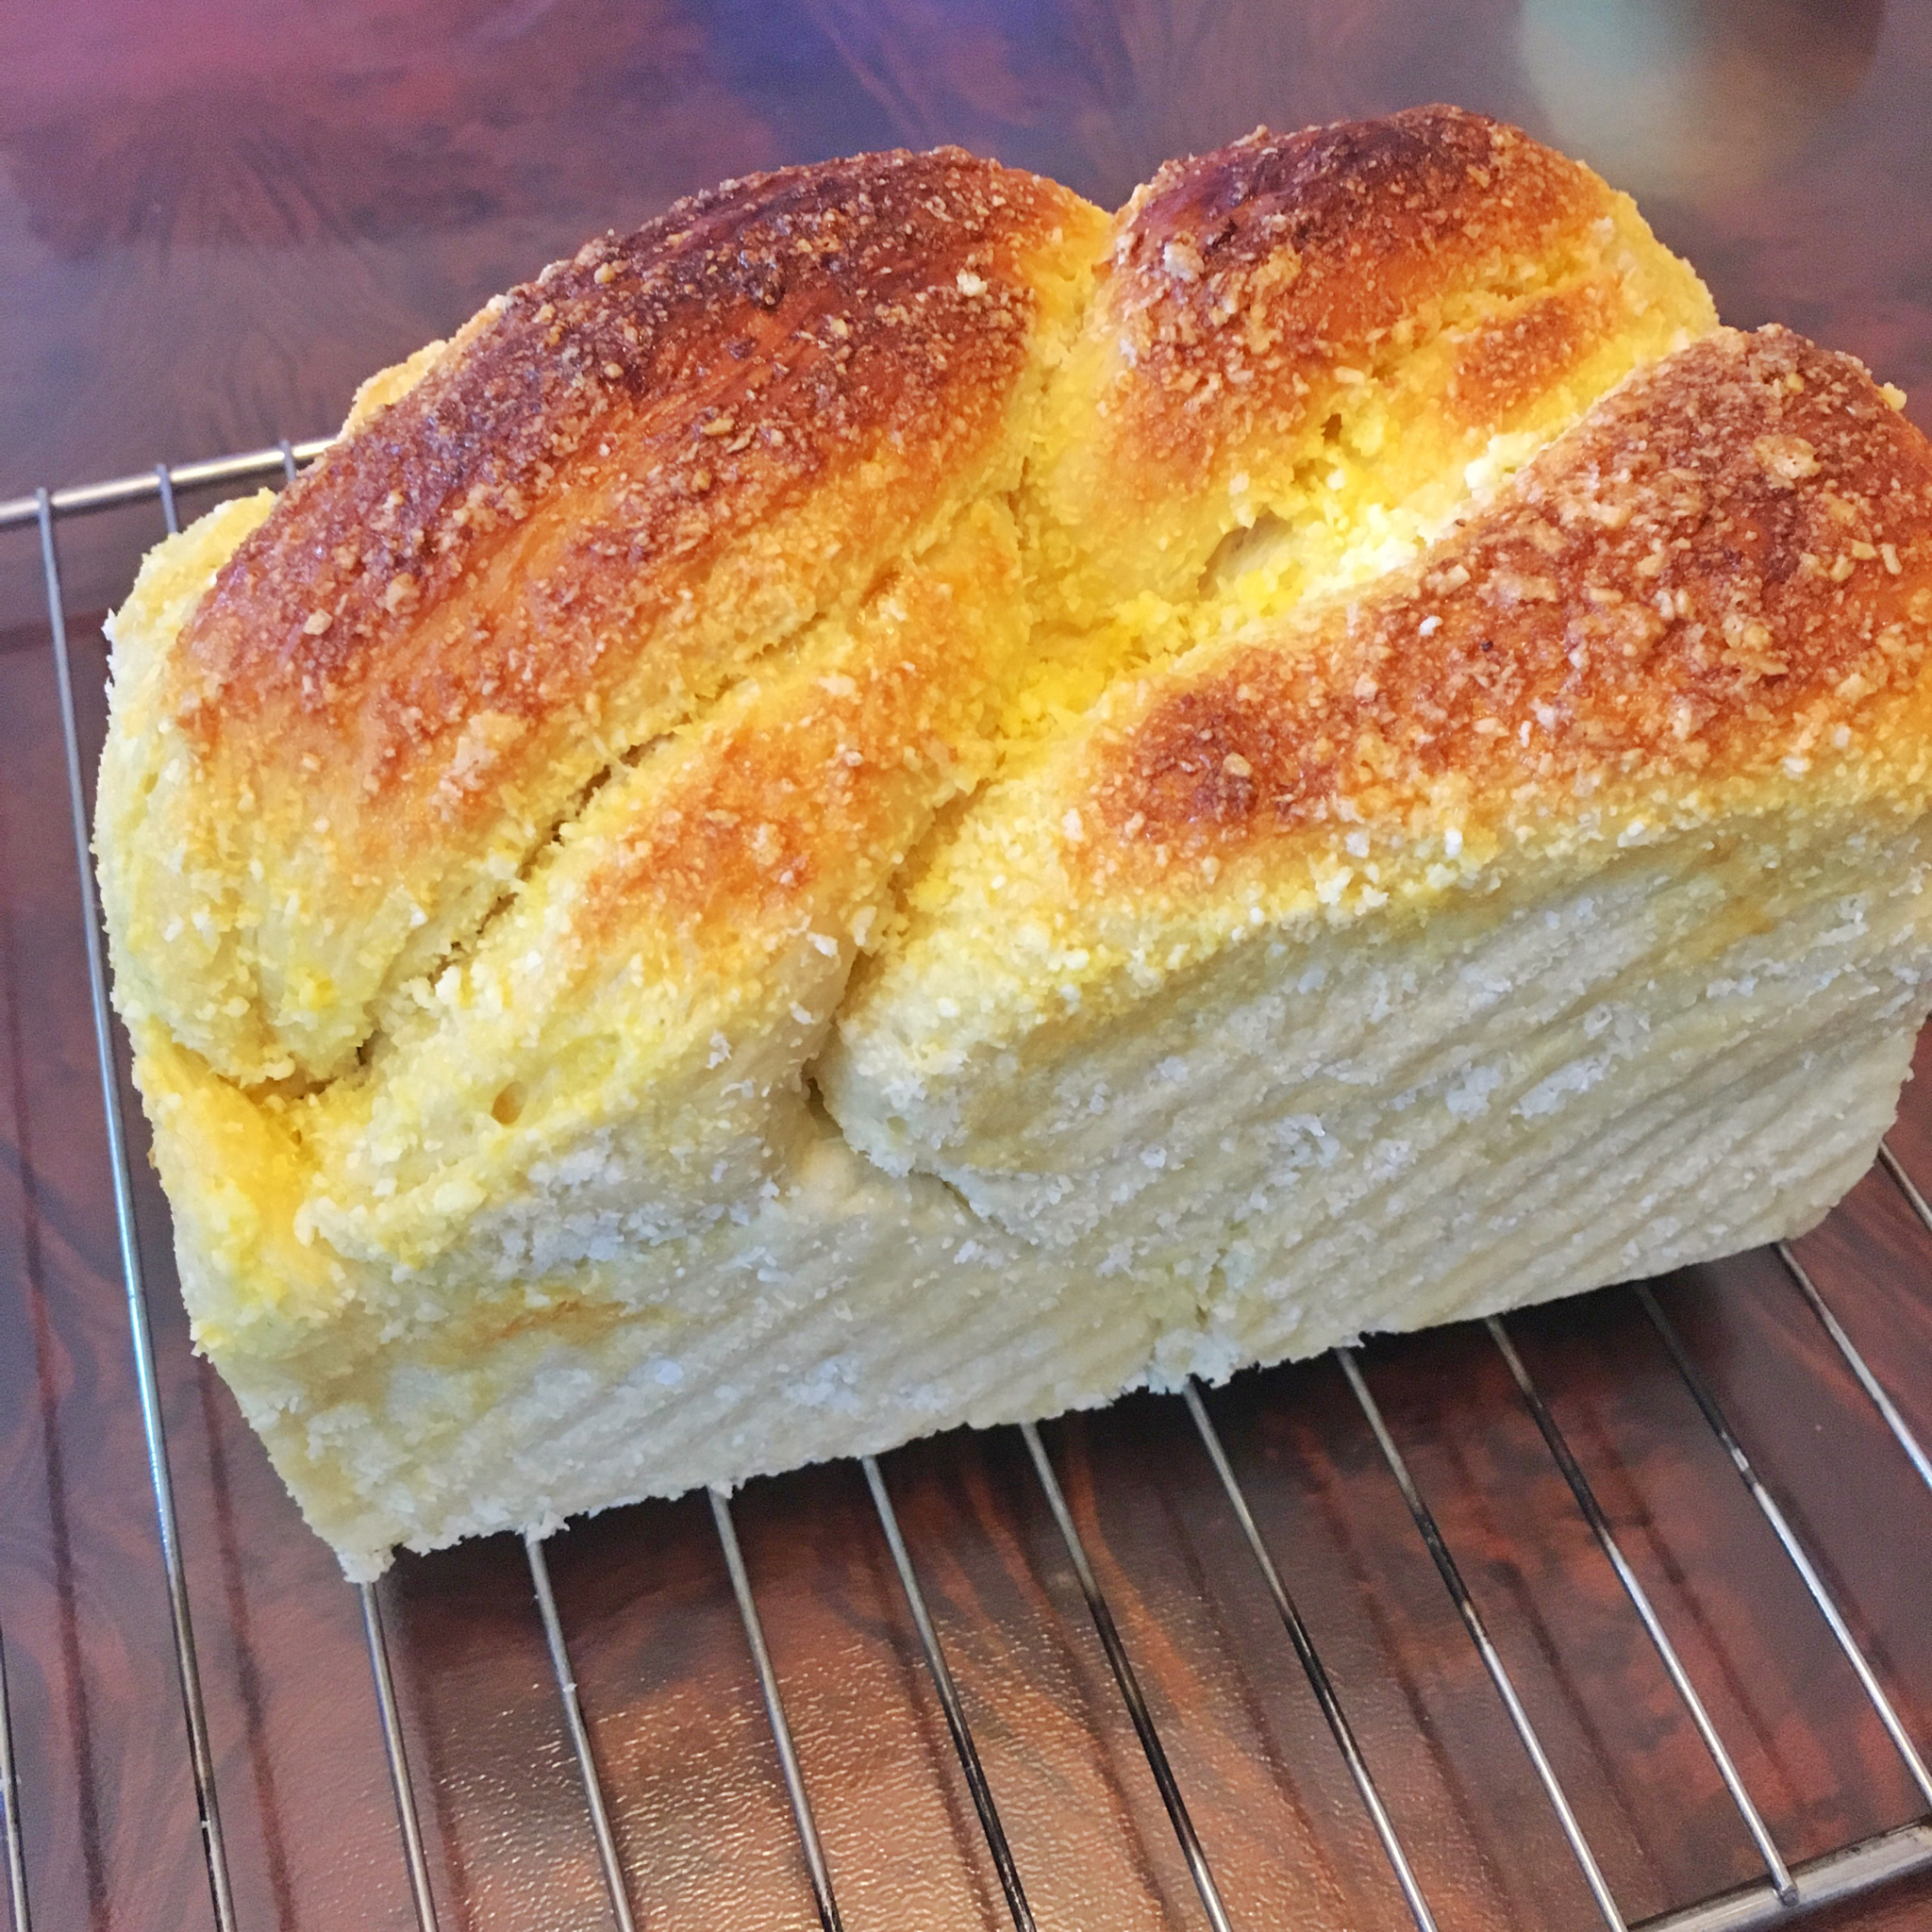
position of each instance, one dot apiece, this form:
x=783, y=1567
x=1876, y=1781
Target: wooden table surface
x=214, y=221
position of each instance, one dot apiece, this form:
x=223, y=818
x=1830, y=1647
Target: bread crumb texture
x=893, y=802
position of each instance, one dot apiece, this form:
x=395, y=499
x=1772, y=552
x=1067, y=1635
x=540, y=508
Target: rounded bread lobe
x=747, y=342
x=619, y=486
x=1356, y=307
x=1717, y=576
x=1267, y=262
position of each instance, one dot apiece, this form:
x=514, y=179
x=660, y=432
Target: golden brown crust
x=665, y=969
x=1245, y=275
x=609, y=429
x=1351, y=313
x=1727, y=559
x=617, y=488
x=786, y=815
x=1523, y=352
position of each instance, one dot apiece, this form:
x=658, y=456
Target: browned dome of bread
x=618, y=487
x=1255, y=296
x=1704, y=611
x=1729, y=559
x=1324, y=244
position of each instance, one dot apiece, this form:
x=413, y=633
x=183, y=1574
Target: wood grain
x=213, y=223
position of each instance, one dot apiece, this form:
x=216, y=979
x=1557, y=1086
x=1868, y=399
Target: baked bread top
x=548, y=543
x=1295, y=326
x=490, y=827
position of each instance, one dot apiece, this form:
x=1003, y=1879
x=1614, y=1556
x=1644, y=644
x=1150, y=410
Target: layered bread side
x=890, y=805
x=1549, y=913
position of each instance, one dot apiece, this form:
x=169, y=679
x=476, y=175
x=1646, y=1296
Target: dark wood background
x=213, y=221
x=216, y=219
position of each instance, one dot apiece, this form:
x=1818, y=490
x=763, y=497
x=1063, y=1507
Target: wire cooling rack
x=1786, y=1888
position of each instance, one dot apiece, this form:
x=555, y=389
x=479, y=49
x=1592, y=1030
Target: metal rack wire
x=1784, y=1890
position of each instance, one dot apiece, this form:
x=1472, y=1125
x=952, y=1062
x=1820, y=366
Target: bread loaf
x=892, y=802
